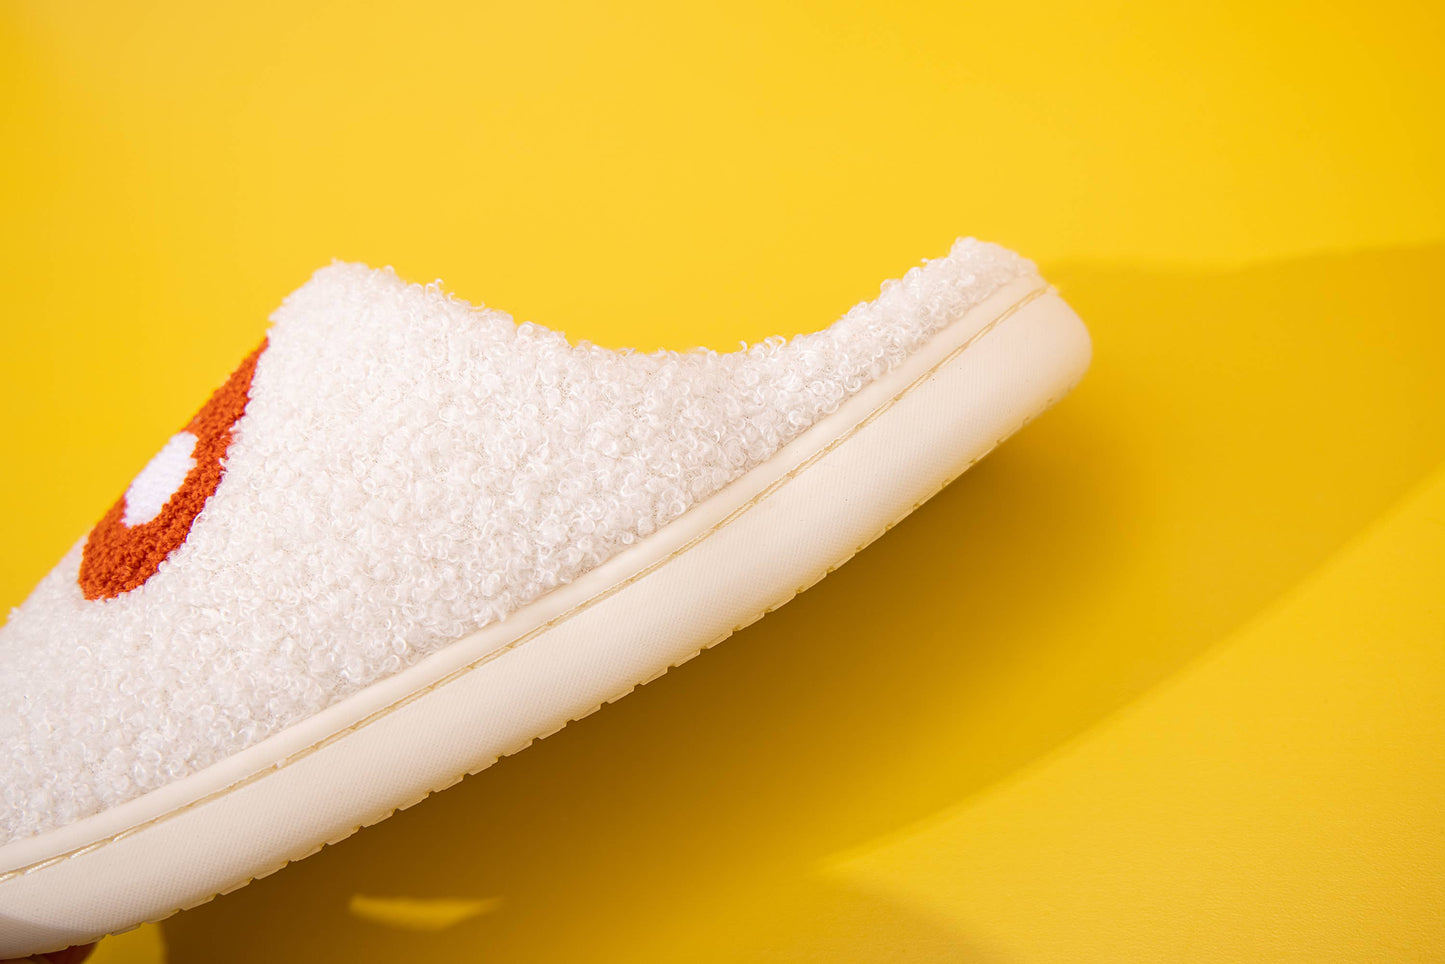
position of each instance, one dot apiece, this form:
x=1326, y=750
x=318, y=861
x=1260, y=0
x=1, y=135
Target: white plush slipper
x=409, y=536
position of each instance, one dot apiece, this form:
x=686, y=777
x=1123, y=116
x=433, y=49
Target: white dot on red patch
x=159, y=480
x=155, y=515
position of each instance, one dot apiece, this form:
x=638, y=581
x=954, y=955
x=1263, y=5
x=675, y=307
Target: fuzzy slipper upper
x=391, y=470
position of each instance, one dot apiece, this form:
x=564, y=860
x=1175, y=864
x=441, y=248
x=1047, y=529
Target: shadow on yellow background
x=1236, y=431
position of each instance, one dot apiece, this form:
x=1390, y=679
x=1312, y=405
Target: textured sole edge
x=980, y=448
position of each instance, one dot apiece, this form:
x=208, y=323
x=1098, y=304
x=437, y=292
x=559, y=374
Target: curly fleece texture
x=408, y=470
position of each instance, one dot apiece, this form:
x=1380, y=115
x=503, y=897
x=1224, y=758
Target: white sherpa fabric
x=409, y=469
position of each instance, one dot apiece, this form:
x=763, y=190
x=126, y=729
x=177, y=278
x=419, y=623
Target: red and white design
x=156, y=513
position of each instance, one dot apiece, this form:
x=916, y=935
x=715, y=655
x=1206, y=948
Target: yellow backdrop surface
x=1161, y=680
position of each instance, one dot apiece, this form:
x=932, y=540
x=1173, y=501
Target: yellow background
x=1159, y=681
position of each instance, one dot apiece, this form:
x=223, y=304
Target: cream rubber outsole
x=729, y=560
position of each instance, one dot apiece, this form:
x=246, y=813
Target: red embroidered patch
x=120, y=557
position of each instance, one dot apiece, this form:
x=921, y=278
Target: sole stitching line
x=587, y=603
